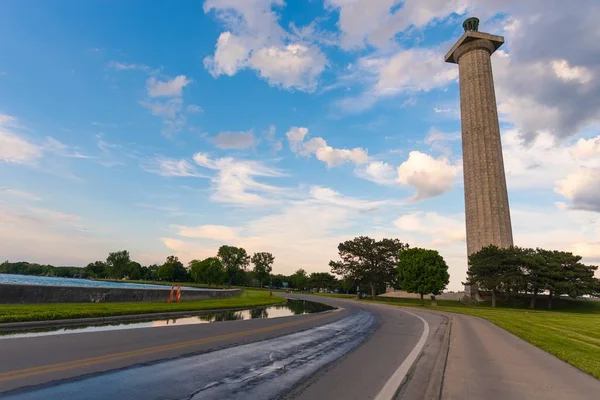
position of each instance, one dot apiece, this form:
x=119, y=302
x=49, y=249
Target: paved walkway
x=486, y=362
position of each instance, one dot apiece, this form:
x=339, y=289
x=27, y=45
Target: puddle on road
x=291, y=307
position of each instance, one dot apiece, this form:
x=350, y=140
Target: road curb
x=58, y=323
x=436, y=380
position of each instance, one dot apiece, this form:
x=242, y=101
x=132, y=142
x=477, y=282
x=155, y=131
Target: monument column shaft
x=486, y=197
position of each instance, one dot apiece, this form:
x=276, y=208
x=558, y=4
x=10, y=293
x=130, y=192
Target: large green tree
x=117, y=264
x=234, y=259
x=278, y=279
x=172, y=270
x=263, y=266
x=299, y=279
x=422, y=271
x=209, y=270
x=135, y=270
x=368, y=260
x=97, y=269
x=488, y=269
x=321, y=280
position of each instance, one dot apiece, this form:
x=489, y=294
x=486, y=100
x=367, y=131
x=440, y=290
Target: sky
x=285, y=126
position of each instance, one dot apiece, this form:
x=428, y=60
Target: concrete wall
x=27, y=294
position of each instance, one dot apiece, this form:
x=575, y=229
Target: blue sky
x=287, y=127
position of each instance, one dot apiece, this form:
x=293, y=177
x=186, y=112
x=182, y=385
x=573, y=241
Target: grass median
x=571, y=333
x=54, y=311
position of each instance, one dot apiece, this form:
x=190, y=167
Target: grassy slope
x=572, y=335
x=39, y=312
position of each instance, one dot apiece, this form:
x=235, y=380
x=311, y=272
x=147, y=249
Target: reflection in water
x=259, y=313
x=291, y=307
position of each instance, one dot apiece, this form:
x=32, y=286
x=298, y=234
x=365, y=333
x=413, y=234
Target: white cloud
x=234, y=140
x=586, y=149
x=439, y=229
x=231, y=55
x=376, y=22
x=193, y=108
x=327, y=195
x=440, y=140
x=20, y=194
x=165, y=166
x=269, y=136
x=16, y=149
x=164, y=96
x=293, y=66
x=379, y=172
x=169, y=88
x=170, y=111
x=219, y=233
x=187, y=251
x=400, y=74
x=165, y=101
x=53, y=215
x=582, y=188
x=564, y=71
x=234, y=181
x=429, y=176
x=255, y=40
x=119, y=66
x=295, y=138
x=323, y=152
x=540, y=163
x=405, y=72
x=548, y=81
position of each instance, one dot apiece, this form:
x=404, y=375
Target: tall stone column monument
x=486, y=198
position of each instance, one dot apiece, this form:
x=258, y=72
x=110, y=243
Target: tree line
x=364, y=265
x=515, y=271
x=230, y=266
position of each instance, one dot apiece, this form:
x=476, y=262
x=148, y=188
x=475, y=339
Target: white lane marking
x=391, y=386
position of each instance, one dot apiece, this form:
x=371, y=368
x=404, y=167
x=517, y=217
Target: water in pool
x=55, y=281
x=291, y=307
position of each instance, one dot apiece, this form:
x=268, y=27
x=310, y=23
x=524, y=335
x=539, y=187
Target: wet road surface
x=295, y=357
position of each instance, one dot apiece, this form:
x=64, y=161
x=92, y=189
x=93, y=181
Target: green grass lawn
x=40, y=312
x=573, y=335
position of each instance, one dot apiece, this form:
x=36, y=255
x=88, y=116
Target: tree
x=172, y=270
x=151, y=273
x=422, y=271
x=536, y=272
x=97, y=269
x=209, y=270
x=365, y=259
x=321, y=280
x=135, y=270
x=346, y=284
x=488, y=268
x=277, y=280
x=263, y=265
x=234, y=259
x=578, y=278
x=299, y=280
x=117, y=264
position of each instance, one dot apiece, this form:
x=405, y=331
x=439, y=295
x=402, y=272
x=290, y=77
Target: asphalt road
x=350, y=353
x=486, y=362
